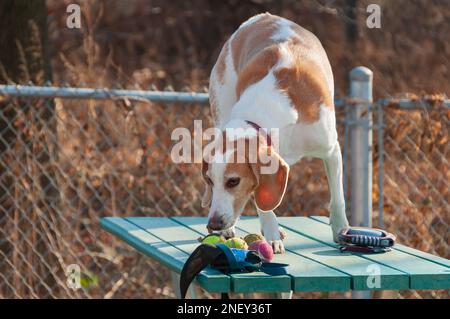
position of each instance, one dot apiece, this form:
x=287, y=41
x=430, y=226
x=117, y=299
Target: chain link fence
x=71, y=156
x=69, y=161
x=416, y=192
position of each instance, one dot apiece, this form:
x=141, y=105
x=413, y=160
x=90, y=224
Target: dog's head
x=238, y=170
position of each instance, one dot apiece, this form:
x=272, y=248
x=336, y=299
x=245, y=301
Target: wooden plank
x=322, y=219
x=162, y=252
x=186, y=239
x=418, y=253
x=422, y=273
x=306, y=274
x=140, y=240
x=421, y=254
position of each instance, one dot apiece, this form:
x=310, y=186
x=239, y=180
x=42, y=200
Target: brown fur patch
x=257, y=68
x=305, y=37
x=253, y=51
x=268, y=189
x=252, y=39
x=305, y=84
x=242, y=192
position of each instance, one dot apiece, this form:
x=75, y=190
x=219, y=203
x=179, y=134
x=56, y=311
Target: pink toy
x=263, y=248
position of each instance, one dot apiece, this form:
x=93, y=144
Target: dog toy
x=250, y=238
x=263, y=248
x=365, y=240
x=212, y=239
x=236, y=242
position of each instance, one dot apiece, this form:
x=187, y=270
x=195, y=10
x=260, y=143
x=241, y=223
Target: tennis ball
x=263, y=248
x=236, y=242
x=250, y=238
x=213, y=239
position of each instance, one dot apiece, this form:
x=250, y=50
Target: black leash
x=228, y=260
x=365, y=240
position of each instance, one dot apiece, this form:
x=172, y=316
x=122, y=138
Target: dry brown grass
x=113, y=156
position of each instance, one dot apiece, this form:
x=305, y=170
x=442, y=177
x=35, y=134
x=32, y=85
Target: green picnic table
x=315, y=262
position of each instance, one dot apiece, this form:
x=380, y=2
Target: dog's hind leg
x=334, y=171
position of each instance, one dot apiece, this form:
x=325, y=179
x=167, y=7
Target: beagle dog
x=273, y=75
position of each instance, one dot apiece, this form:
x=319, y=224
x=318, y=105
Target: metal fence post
x=361, y=152
x=361, y=146
x=380, y=114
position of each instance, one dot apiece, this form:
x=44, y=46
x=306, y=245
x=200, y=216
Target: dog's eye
x=233, y=182
x=209, y=181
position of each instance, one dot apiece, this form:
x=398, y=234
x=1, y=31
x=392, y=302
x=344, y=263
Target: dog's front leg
x=271, y=231
x=333, y=168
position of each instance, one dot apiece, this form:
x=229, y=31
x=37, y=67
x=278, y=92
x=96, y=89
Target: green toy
x=236, y=242
x=250, y=238
x=212, y=239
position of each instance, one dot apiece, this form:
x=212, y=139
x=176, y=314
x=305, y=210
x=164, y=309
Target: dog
x=271, y=74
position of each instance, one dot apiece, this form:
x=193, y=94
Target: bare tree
x=27, y=130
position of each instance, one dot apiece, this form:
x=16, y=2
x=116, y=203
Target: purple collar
x=258, y=129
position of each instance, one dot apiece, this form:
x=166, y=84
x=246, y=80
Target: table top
x=315, y=262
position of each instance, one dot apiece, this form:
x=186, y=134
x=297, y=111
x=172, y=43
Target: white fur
x=271, y=230
x=285, y=31
x=264, y=104
x=222, y=201
x=250, y=21
x=225, y=93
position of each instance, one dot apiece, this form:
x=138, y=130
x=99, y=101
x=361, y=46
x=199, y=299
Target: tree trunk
x=351, y=26
x=27, y=131
x=24, y=54
x=351, y=34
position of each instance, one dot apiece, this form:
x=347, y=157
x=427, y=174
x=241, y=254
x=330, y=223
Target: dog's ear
x=207, y=195
x=271, y=185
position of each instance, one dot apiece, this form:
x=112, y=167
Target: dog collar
x=259, y=128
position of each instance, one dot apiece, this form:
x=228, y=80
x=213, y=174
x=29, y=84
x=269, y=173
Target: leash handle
x=365, y=240
x=232, y=262
x=364, y=249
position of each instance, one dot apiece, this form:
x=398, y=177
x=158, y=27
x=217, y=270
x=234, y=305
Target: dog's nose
x=215, y=223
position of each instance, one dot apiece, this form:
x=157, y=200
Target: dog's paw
x=282, y=233
x=277, y=245
x=275, y=239
x=336, y=227
x=228, y=233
